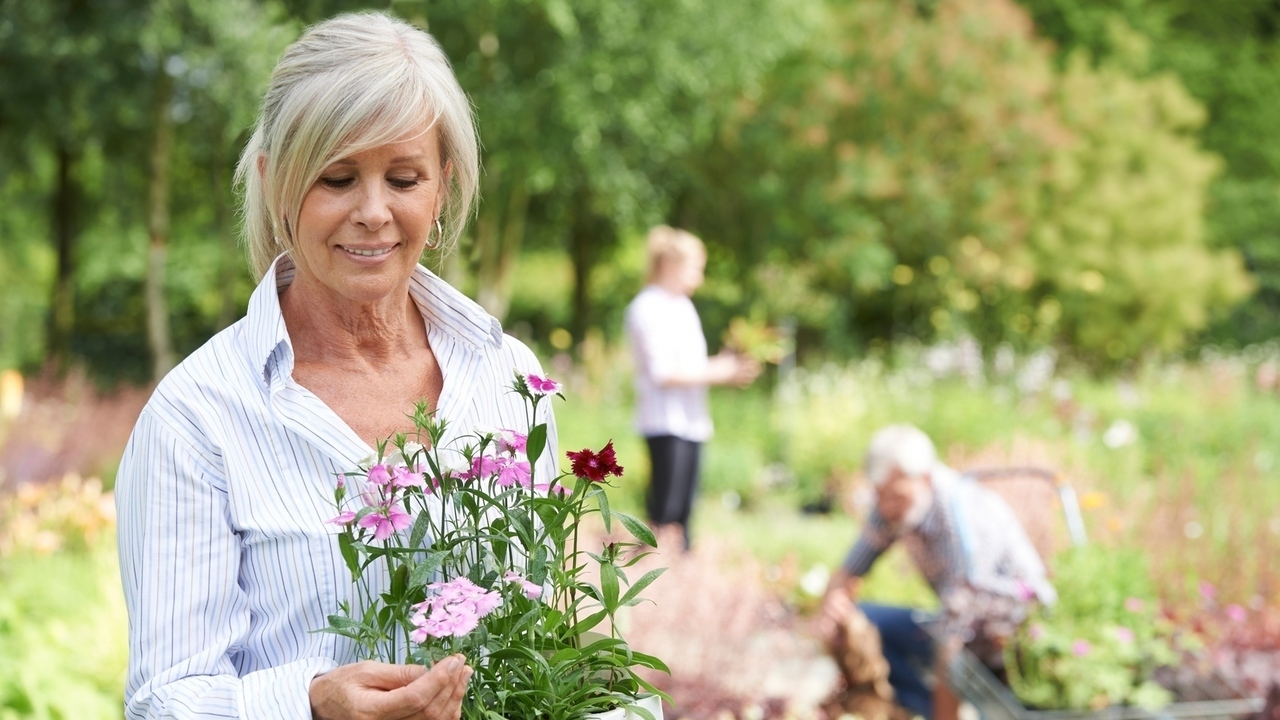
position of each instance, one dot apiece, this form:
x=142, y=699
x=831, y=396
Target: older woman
x=364, y=157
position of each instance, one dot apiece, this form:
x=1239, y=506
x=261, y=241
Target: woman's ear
x=442, y=190
x=262, y=166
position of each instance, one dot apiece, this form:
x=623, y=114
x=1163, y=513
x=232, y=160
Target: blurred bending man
x=970, y=548
x=673, y=373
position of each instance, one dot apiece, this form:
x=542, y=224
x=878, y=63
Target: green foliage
x=946, y=177
x=877, y=170
x=1226, y=55
x=62, y=636
x=1100, y=644
x=1121, y=246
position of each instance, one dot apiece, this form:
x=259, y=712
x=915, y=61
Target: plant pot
x=652, y=703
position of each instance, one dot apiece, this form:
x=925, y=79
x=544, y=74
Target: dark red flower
x=595, y=466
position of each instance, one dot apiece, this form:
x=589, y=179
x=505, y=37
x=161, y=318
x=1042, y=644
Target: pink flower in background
x=551, y=487
x=542, y=385
x=1207, y=591
x=1134, y=604
x=510, y=441
x=1236, y=613
x=403, y=477
x=514, y=472
x=1124, y=635
x=388, y=519
x=346, y=517
x=531, y=591
x=379, y=475
x=1081, y=648
x=1025, y=592
x=1036, y=631
x=342, y=482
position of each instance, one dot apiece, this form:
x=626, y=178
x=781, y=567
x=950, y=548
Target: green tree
x=1228, y=56
x=919, y=175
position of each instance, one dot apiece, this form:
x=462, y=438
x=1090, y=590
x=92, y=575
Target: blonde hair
x=351, y=83
x=900, y=447
x=666, y=244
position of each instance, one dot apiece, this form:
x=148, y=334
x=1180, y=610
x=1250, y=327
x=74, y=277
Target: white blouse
x=224, y=491
x=666, y=340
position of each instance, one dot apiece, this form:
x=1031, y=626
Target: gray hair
x=900, y=447
x=351, y=83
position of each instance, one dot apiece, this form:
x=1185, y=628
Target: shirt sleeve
x=179, y=562
x=872, y=542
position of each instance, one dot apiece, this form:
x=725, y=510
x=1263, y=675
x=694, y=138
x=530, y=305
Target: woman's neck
x=326, y=328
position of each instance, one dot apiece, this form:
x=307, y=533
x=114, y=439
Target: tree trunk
x=228, y=259
x=499, y=238
x=65, y=210
x=582, y=238
x=158, y=228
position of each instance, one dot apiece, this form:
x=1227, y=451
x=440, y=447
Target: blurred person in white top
x=673, y=373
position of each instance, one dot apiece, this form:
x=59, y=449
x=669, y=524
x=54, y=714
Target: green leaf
x=399, y=581
x=419, y=529
x=536, y=442
x=649, y=661
x=602, y=500
x=609, y=585
x=589, y=622
x=638, y=529
x=342, y=622
x=632, y=595
x=426, y=568
x=349, y=553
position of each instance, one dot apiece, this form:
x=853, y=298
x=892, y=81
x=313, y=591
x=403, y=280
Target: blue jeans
x=909, y=651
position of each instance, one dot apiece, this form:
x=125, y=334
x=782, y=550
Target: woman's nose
x=373, y=209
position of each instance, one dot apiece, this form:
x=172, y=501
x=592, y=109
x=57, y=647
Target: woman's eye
x=337, y=182
x=404, y=183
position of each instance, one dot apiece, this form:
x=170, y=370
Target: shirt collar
x=442, y=306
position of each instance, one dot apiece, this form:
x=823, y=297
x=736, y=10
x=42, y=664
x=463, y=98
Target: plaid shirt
x=969, y=537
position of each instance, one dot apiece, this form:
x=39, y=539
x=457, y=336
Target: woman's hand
x=381, y=691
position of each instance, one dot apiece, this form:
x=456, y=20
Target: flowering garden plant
x=464, y=549
x=1102, y=643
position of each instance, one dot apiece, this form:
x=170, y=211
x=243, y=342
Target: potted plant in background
x=464, y=549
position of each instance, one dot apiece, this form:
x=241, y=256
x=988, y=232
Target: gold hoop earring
x=439, y=236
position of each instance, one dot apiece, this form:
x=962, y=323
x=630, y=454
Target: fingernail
x=452, y=663
x=466, y=674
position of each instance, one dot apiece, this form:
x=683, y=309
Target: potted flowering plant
x=464, y=549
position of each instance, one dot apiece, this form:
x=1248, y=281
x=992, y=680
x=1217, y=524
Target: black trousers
x=674, y=481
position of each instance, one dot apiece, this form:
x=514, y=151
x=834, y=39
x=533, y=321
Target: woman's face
x=365, y=222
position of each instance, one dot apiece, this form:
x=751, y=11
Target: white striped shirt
x=224, y=492
x=666, y=340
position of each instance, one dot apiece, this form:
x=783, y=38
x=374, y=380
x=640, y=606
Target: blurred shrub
x=936, y=174
x=72, y=514
x=63, y=645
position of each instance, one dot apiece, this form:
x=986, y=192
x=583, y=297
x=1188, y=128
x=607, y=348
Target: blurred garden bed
x=1176, y=462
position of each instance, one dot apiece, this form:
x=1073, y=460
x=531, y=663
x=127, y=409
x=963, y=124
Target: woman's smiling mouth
x=370, y=252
